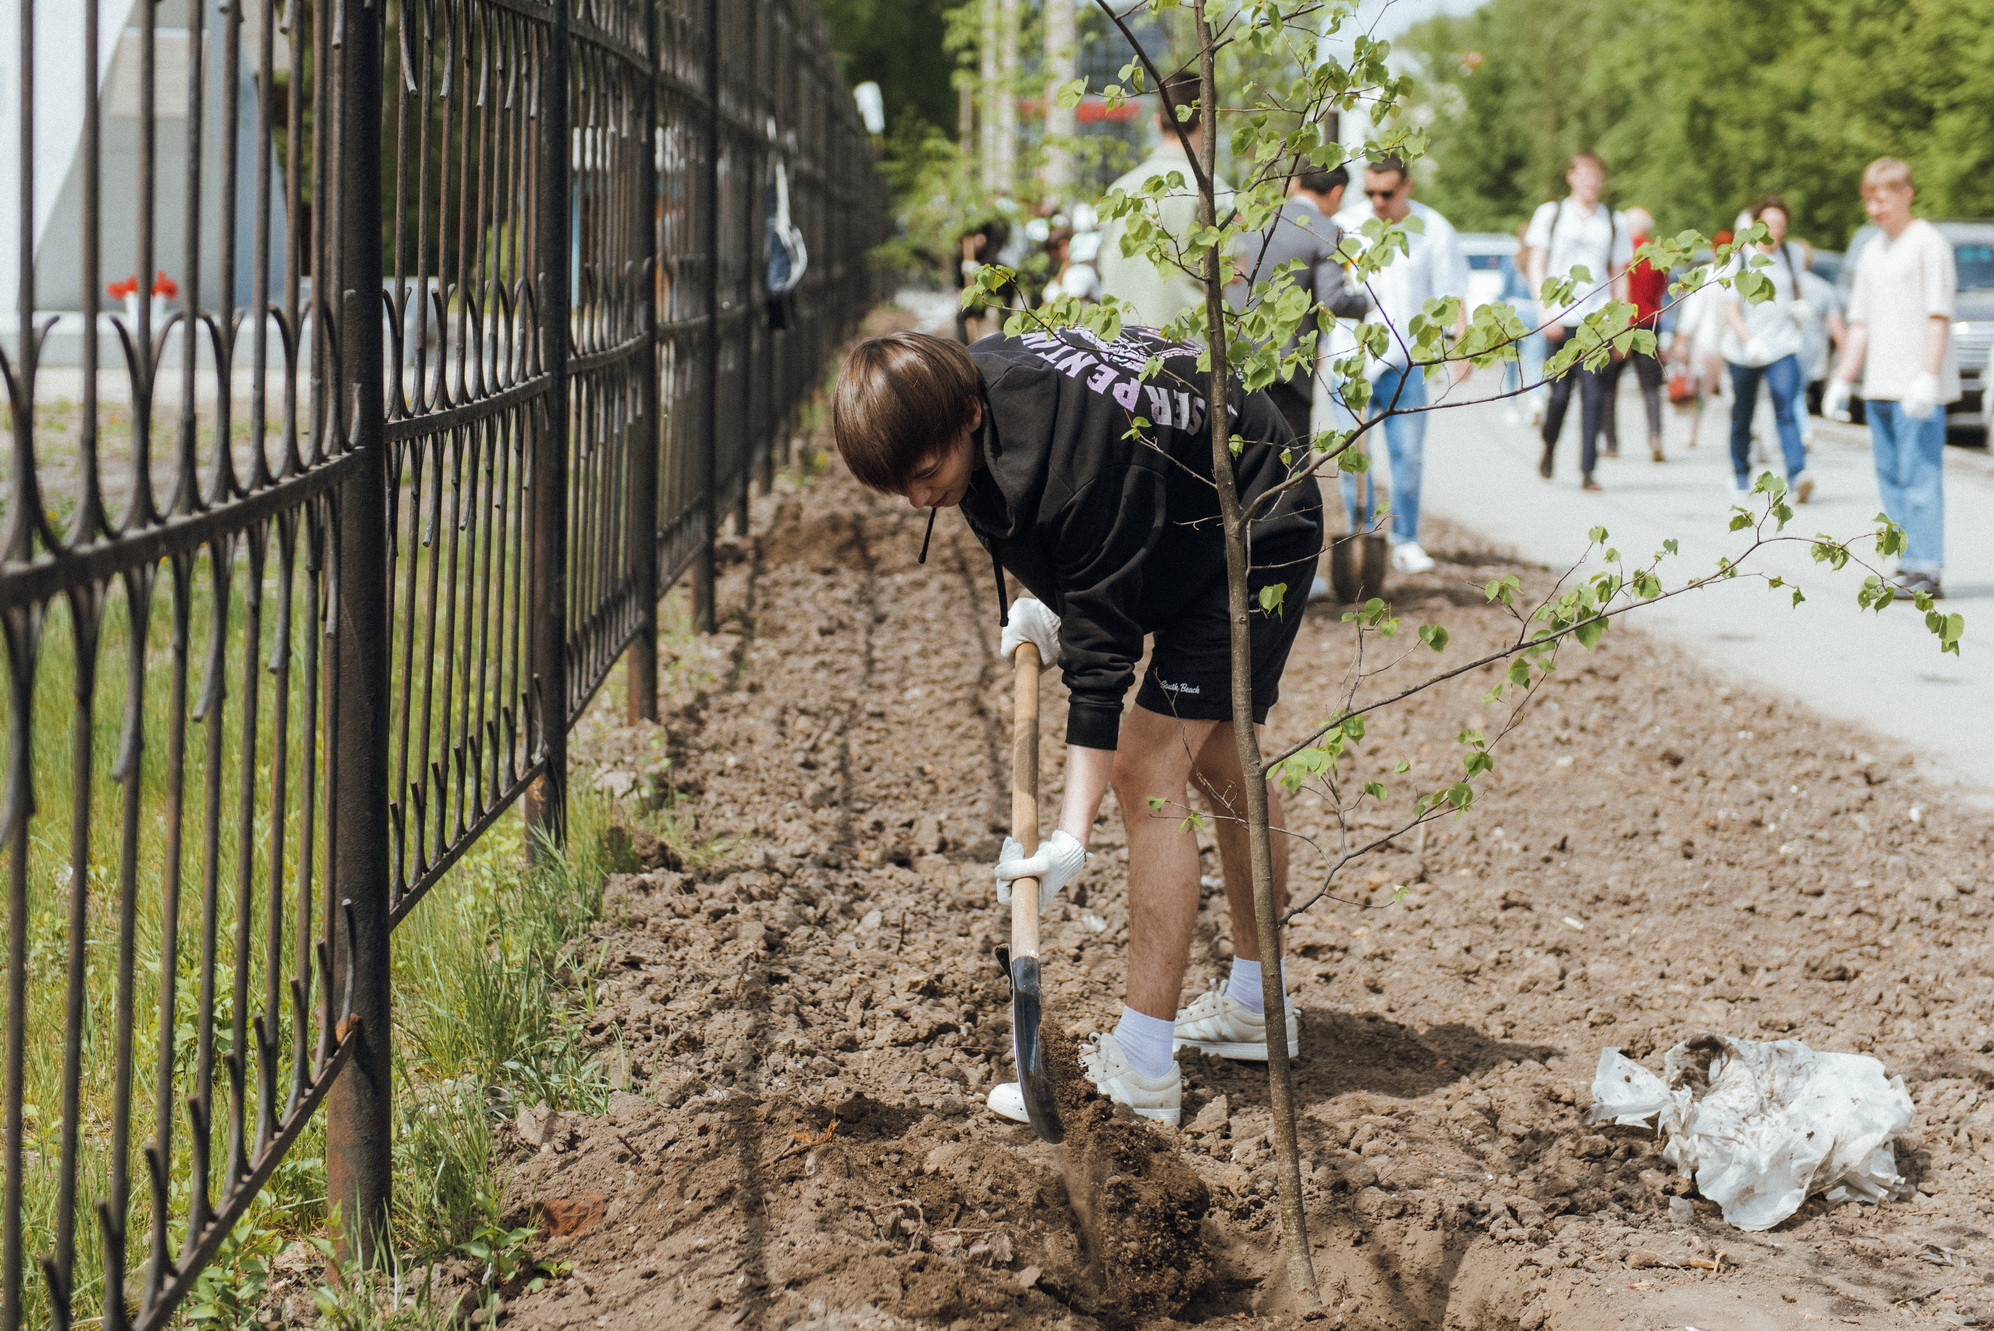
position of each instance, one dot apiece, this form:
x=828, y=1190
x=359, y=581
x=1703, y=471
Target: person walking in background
x=1900, y=324
x=1160, y=291
x=1578, y=232
x=1304, y=233
x=979, y=246
x=1762, y=342
x=1647, y=289
x=1521, y=377
x=1432, y=266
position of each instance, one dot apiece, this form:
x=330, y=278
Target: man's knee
x=1140, y=776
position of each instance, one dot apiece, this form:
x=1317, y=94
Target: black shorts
x=1190, y=660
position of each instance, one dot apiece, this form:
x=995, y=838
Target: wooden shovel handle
x=1025, y=796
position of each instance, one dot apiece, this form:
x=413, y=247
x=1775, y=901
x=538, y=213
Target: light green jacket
x=1158, y=293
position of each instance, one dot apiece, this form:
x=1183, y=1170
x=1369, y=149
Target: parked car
x=1973, y=314
x=1485, y=252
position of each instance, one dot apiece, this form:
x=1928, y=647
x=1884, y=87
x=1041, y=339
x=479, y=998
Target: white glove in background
x=1835, y=399
x=1059, y=860
x=1030, y=621
x=1921, y=399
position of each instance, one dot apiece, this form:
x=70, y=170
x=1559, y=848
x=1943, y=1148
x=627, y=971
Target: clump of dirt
x=1140, y=1208
x=1662, y=852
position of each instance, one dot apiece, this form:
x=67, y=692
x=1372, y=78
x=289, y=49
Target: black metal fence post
x=553, y=258
x=704, y=575
x=640, y=663
x=359, y=1136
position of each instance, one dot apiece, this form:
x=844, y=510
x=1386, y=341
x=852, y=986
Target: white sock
x=1244, y=985
x=1147, y=1042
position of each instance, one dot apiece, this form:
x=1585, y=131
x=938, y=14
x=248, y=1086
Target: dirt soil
x=808, y=1029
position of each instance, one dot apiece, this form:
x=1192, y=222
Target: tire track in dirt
x=811, y=1024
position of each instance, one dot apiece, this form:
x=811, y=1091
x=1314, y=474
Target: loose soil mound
x=808, y=1029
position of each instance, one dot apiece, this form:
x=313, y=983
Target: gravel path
x=808, y=1028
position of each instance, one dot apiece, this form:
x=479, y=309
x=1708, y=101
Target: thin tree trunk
x=988, y=124
x=1062, y=66
x=1009, y=20
x=1266, y=908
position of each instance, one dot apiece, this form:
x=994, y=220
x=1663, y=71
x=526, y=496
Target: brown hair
x=1887, y=173
x=1180, y=89
x=1391, y=162
x=1766, y=203
x=899, y=399
x=1588, y=158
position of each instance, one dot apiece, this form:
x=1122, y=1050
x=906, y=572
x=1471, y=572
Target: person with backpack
x=1578, y=232
x=1762, y=342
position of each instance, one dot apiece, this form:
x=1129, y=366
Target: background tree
x=1699, y=106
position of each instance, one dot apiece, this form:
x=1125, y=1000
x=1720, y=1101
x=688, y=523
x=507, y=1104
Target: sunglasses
x=1381, y=193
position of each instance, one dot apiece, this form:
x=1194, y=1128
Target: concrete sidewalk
x=1880, y=670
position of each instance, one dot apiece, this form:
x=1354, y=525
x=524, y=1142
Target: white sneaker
x=1407, y=557
x=1221, y=1025
x=1160, y=1098
x=1007, y=1100
x=1320, y=590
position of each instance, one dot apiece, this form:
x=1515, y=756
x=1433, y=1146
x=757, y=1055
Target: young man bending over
x=1114, y=529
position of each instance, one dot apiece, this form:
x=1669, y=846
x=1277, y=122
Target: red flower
x=163, y=285
x=119, y=290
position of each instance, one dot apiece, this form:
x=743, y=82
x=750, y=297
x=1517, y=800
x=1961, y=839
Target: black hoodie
x=1118, y=534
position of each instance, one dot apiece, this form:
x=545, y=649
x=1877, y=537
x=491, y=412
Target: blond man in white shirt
x=1900, y=343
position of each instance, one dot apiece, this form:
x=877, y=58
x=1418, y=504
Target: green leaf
x=1590, y=632
x=1433, y=636
x=1376, y=790
x=1272, y=596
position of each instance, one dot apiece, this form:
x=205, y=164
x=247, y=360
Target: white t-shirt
x=1600, y=241
x=1774, y=324
x=1432, y=266
x=1900, y=286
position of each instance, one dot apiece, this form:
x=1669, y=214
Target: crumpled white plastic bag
x=1763, y=1124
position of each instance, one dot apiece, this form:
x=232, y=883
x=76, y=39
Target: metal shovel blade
x=1371, y=576
x=1344, y=567
x=1034, y=1077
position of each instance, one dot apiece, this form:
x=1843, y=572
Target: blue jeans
x=1910, y=469
x=1782, y=380
x=1405, y=440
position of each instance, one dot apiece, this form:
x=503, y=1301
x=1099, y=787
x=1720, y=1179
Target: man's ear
x=1335, y=197
x=975, y=415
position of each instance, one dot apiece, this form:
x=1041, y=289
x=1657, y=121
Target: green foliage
x=1699, y=106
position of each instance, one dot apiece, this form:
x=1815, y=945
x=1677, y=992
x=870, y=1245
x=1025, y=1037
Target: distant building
x=60, y=98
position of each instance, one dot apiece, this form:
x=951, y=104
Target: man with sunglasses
x=1432, y=266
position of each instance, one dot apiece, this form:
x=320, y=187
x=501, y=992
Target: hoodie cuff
x=1093, y=725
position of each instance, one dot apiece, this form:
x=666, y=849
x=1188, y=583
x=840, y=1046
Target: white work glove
x=1835, y=399
x=1921, y=399
x=1059, y=860
x=1031, y=622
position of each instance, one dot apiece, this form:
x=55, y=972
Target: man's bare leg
x=1154, y=760
x=1216, y=773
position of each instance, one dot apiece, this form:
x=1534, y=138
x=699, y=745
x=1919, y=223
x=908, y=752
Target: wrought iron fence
x=377, y=364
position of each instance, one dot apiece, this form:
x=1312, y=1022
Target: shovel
x=1021, y=962
x=1357, y=558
